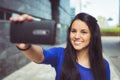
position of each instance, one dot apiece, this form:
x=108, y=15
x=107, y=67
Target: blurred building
x=44, y=9
x=119, y=11
x=72, y=12
x=58, y=10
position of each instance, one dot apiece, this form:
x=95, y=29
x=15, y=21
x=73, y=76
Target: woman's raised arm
x=32, y=52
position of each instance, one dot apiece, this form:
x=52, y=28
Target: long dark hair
x=69, y=69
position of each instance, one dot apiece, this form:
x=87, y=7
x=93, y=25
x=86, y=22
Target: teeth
x=77, y=42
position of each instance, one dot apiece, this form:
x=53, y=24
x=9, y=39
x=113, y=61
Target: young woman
x=82, y=58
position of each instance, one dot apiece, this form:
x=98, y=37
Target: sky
x=105, y=8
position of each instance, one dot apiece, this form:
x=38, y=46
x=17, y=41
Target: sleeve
x=51, y=56
x=107, y=69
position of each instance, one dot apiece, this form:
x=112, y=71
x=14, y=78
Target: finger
x=21, y=45
x=18, y=18
x=13, y=19
x=27, y=17
x=21, y=18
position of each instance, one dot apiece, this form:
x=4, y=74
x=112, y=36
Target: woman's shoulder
x=107, y=68
x=106, y=62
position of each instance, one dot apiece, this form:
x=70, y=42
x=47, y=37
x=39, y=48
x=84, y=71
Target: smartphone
x=34, y=32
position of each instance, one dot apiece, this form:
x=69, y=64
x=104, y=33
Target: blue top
x=55, y=56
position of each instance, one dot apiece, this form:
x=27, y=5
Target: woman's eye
x=73, y=30
x=84, y=32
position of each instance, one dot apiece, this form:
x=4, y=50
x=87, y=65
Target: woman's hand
x=20, y=19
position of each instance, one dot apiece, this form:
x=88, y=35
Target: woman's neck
x=83, y=58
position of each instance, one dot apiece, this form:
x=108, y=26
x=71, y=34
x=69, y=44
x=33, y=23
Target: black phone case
x=35, y=32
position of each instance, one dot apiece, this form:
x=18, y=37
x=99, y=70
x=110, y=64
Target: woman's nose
x=77, y=35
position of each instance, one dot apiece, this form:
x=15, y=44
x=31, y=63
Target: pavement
x=111, y=50
x=33, y=71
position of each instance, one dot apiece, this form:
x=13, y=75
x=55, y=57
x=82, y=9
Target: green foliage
x=115, y=29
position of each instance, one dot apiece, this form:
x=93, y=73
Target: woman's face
x=79, y=35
